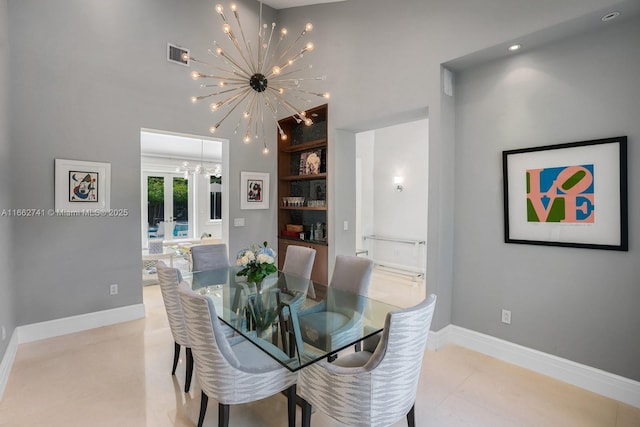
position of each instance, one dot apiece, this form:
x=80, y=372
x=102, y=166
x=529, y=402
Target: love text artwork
x=561, y=194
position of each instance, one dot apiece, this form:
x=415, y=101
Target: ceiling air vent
x=175, y=55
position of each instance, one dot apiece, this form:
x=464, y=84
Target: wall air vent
x=176, y=54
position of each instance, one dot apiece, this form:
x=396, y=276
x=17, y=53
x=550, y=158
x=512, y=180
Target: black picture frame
x=570, y=195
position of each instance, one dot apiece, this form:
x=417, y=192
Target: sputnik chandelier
x=259, y=79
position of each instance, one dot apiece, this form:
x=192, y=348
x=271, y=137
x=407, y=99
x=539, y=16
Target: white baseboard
x=598, y=381
x=58, y=327
x=7, y=362
x=82, y=322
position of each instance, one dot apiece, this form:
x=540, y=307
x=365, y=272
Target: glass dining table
x=280, y=319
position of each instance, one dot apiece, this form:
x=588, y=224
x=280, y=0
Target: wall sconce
x=397, y=181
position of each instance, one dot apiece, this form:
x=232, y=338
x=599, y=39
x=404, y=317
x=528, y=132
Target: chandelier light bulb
x=283, y=32
x=233, y=7
x=265, y=150
x=308, y=27
x=226, y=28
x=309, y=47
x=212, y=129
x=195, y=75
x=219, y=9
x=275, y=70
x=247, y=139
x=326, y=95
x=194, y=99
x=283, y=136
x=308, y=122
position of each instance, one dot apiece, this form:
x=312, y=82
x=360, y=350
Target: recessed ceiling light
x=610, y=16
x=514, y=47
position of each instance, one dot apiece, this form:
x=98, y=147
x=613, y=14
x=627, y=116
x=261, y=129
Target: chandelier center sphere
x=258, y=82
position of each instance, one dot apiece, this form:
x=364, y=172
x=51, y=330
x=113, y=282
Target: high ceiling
x=284, y=4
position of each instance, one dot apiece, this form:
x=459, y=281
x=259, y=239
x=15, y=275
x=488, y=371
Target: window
x=215, y=197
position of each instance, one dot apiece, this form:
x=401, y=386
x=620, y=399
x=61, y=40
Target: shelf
x=303, y=177
x=318, y=143
x=311, y=242
x=290, y=183
x=304, y=208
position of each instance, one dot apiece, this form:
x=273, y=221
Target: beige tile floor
x=119, y=376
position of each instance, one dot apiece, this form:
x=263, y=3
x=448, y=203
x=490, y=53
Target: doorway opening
x=183, y=197
x=391, y=171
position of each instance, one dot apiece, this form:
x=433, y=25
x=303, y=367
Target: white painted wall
x=365, y=187
x=400, y=150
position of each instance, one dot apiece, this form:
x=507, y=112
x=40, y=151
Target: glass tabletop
x=278, y=317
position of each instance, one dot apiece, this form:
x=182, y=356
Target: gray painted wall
x=578, y=304
x=382, y=63
x=85, y=78
x=7, y=318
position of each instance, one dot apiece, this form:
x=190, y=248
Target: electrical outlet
x=4, y=333
x=113, y=289
x=506, y=316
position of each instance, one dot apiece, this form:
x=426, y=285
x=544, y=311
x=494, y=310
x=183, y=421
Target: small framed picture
x=254, y=190
x=572, y=195
x=82, y=185
x=310, y=162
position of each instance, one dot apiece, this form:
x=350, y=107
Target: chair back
x=169, y=278
x=214, y=359
x=299, y=261
x=352, y=274
x=396, y=362
x=209, y=257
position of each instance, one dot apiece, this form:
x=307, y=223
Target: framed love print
x=572, y=194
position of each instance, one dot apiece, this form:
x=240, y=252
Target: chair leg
x=223, y=415
x=204, y=399
x=306, y=413
x=411, y=416
x=291, y=405
x=189, y=372
x=176, y=356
